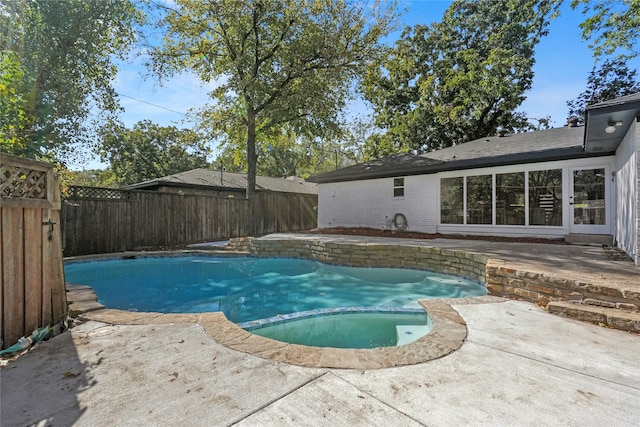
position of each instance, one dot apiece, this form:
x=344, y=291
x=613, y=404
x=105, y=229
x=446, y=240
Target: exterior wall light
x=611, y=128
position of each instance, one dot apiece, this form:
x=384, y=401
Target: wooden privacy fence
x=32, y=279
x=102, y=220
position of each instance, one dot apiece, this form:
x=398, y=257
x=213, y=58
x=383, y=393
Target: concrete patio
x=519, y=366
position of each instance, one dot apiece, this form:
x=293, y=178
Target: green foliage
x=459, y=79
x=288, y=154
x=93, y=178
x=277, y=63
x=61, y=55
x=614, y=26
x=611, y=80
x=149, y=151
x=13, y=104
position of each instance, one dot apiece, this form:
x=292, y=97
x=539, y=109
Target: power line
x=153, y=105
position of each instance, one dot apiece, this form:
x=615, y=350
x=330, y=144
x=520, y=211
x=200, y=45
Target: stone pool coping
x=448, y=334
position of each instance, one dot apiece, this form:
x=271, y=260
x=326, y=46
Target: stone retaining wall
x=543, y=288
x=460, y=263
x=500, y=279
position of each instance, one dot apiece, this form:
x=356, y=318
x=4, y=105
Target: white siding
x=366, y=203
x=627, y=188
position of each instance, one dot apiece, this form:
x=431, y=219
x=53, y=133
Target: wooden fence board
x=52, y=258
x=153, y=220
x=47, y=280
x=13, y=271
x=3, y=261
x=33, y=268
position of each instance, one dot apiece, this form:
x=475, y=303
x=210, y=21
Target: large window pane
x=588, y=196
x=479, y=192
x=451, y=200
x=545, y=197
x=510, y=198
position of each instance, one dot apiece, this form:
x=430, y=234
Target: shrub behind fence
x=98, y=220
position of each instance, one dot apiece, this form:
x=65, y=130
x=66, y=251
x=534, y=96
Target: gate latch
x=50, y=224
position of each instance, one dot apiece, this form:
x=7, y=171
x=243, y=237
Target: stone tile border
x=448, y=334
x=280, y=319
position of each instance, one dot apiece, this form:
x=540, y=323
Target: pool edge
x=448, y=334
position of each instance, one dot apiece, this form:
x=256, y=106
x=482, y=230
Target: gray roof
x=623, y=100
x=211, y=179
x=518, y=144
x=387, y=166
x=606, y=124
x=528, y=147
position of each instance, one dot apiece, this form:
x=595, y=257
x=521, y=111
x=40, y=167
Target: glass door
x=588, y=201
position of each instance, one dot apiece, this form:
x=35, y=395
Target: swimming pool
x=248, y=288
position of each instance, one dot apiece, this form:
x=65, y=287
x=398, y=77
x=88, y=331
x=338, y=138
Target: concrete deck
x=518, y=366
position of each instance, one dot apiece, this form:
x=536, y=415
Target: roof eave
x=575, y=152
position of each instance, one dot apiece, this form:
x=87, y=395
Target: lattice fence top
x=98, y=193
x=18, y=181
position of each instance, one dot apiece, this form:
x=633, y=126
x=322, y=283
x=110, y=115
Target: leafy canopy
x=57, y=69
x=459, y=79
x=148, y=151
x=614, y=26
x=275, y=62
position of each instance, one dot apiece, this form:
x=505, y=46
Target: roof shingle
x=229, y=181
x=527, y=147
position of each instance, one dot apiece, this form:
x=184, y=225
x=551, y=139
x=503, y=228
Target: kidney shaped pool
x=247, y=288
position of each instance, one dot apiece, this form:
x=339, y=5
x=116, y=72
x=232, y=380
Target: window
x=510, y=199
x=545, y=197
x=479, y=196
x=472, y=199
x=452, y=200
x=398, y=187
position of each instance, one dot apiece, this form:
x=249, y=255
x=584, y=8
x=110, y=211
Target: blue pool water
x=348, y=328
x=247, y=288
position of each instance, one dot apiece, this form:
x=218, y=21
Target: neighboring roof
x=214, y=180
x=618, y=113
x=529, y=147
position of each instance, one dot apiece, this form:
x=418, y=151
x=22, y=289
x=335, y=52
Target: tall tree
x=276, y=62
x=61, y=55
x=93, y=178
x=288, y=154
x=611, y=80
x=614, y=26
x=148, y=151
x=459, y=79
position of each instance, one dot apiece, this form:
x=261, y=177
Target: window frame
x=398, y=188
x=494, y=172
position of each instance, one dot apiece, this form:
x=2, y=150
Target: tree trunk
x=252, y=158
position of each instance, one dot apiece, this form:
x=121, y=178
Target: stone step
x=611, y=317
x=626, y=306
x=589, y=239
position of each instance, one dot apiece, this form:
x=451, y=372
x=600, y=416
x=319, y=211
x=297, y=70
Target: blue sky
x=563, y=63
